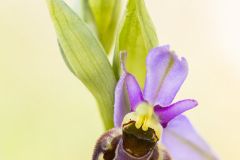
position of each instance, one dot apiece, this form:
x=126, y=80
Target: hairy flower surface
x=149, y=120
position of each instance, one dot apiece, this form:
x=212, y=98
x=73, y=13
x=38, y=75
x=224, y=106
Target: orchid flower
x=144, y=124
x=148, y=117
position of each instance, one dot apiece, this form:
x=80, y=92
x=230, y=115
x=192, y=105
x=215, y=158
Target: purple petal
x=183, y=142
x=165, y=75
x=128, y=95
x=166, y=114
x=134, y=91
x=121, y=102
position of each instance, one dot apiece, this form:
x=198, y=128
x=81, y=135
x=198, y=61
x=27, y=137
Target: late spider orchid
x=148, y=126
x=148, y=120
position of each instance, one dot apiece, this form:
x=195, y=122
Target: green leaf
x=136, y=36
x=106, y=14
x=85, y=57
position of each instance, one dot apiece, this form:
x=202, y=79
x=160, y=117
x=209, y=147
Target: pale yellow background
x=47, y=114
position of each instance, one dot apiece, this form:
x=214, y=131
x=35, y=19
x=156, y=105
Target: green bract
x=85, y=56
x=106, y=15
x=136, y=36
x=86, y=15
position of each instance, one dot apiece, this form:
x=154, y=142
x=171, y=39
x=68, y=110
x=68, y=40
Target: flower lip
x=138, y=142
x=149, y=135
x=141, y=130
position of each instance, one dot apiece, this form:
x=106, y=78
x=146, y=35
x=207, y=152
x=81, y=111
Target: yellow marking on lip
x=144, y=112
x=145, y=118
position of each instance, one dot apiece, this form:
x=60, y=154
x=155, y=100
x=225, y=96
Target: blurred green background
x=47, y=114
